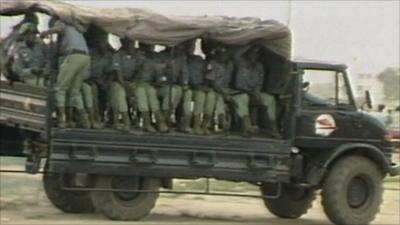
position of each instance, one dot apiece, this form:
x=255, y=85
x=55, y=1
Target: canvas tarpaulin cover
x=153, y=28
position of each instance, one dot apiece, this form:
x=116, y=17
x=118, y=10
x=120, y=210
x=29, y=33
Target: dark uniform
x=125, y=65
x=29, y=64
x=176, y=84
x=249, y=80
x=151, y=75
x=196, y=67
x=94, y=89
x=219, y=78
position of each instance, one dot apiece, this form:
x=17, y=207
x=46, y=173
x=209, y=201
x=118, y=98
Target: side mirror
x=368, y=99
x=306, y=86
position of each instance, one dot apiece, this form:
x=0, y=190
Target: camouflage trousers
x=170, y=96
x=73, y=71
x=146, y=98
x=269, y=102
x=117, y=97
x=241, y=103
x=194, y=101
x=215, y=102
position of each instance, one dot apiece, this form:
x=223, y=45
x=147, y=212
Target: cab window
x=325, y=88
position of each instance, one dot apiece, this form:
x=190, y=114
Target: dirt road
x=22, y=201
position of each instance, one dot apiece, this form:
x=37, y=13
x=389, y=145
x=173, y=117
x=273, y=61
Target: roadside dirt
x=22, y=201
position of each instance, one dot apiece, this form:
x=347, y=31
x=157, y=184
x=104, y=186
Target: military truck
x=327, y=143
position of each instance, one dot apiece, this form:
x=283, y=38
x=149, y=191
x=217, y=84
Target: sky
x=362, y=34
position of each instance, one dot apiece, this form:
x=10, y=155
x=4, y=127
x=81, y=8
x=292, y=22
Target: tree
x=390, y=79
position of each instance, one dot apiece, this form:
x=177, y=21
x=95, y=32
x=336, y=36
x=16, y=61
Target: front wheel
x=125, y=205
x=292, y=203
x=352, y=191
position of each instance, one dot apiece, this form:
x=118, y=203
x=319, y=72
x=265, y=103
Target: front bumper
x=394, y=169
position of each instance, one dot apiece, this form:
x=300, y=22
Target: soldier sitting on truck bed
x=196, y=66
x=249, y=75
x=125, y=65
x=148, y=78
x=218, y=78
x=176, y=85
x=94, y=88
x=28, y=56
x=249, y=79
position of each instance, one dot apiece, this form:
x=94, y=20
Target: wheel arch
x=317, y=173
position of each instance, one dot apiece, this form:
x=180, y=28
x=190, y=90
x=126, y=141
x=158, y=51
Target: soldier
x=9, y=44
x=150, y=76
x=196, y=70
x=249, y=79
x=218, y=78
x=176, y=84
x=11, y=38
x=93, y=89
x=125, y=64
x=73, y=70
x=28, y=64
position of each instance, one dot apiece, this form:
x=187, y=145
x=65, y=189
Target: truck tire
x=125, y=205
x=66, y=201
x=292, y=203
x=352, y=191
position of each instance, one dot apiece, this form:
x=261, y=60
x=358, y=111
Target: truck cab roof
x=318, y=65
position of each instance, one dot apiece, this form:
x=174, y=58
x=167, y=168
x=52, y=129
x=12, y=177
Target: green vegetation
x=390, y=79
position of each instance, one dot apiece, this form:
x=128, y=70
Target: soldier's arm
x=57, y=29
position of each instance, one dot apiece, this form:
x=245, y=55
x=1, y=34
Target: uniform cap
x=27, y=27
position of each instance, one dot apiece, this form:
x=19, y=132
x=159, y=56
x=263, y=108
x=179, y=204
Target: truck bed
x=23, y=106
x=175, y=155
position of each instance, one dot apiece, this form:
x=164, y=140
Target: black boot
x=70, y=117
x=161, y=123
x=185, y=124
x=246, y=126
x=115, y=121
x=61, y=117
x=197, y=125
x=92, y=119
x=222, y=123
x=83, y=119
x=126, y=122
x=147, y=122
x=206, y=124
x=273, y=131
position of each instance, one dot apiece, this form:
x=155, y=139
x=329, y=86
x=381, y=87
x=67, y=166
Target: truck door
x=328, y=113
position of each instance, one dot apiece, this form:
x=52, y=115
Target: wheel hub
x=358, y=192
x=126, y=183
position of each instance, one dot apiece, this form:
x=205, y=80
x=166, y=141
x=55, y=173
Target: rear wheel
x=66, y=201
x=291, y=204
x=352, y=191
x=125, y=205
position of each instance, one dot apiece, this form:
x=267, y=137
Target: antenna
x=289, y=13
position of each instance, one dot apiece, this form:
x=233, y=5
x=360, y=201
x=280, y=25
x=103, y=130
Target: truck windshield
x=325, y=88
